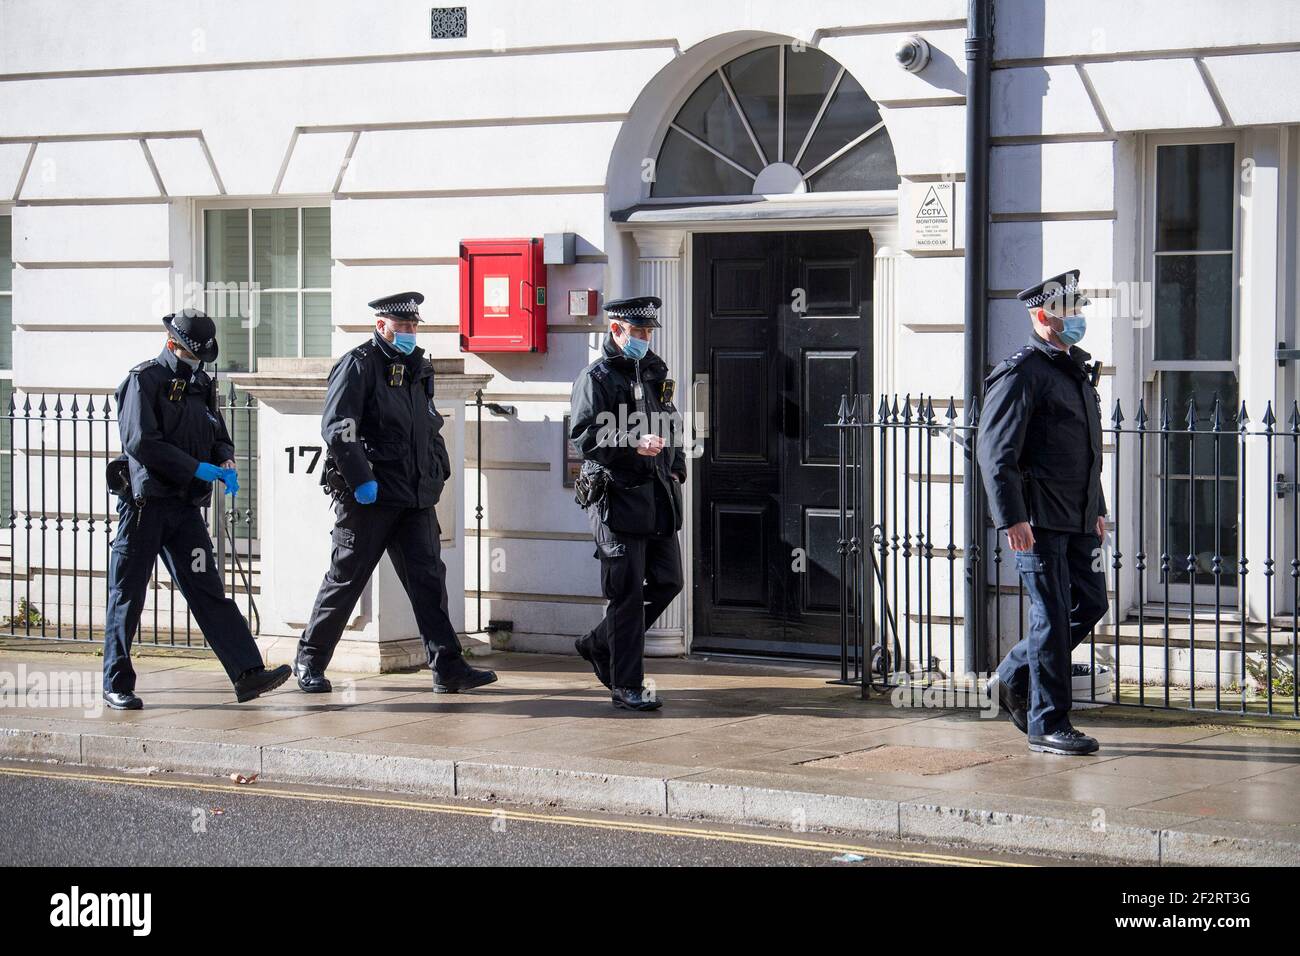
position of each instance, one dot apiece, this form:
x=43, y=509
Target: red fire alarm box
x=502, y=296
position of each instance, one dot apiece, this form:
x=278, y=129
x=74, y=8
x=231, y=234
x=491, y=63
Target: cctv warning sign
x=932, y=218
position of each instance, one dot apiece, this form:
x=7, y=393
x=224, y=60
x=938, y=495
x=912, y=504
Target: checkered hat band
x=397, y=308
x=1045, y=295
x=640, y=312
x=185, y=340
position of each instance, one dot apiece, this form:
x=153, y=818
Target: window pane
x=6, y=253
x=1179, y=388
x=687, y=169
x=275, y=248
x=276, y=332
x=710, y=116
x=225, y=245
x=754, y=78
x=232, y=312
x=320, y=329
x=869, y=165
x=1194, y=307
x=6, y=332
x=1194, y=534
x=316, y=247
x=809, y=74
x=1195, y=186
x=850, y=114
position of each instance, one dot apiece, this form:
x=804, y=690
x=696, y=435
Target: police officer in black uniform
x=176, y=445
x=386, y=467
x=628, y=432
x=1040, y=455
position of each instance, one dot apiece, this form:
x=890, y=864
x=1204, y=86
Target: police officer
x=176, y=445
x=386, y=466
x=1040, y=454
x=628, y=432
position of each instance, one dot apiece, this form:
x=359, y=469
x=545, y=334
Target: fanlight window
x=777, y=120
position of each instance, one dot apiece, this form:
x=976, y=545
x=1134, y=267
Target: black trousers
x=175, y=529
x=1067, y=597
x=362, y=534
x=639, y=576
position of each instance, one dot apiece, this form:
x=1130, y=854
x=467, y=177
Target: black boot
x=1011, y=702
x=311, y=680
x=127, y=701
x=467, y=680
x=259, y=680
x=1067, y=741
x=586, y=648
x=634, y=698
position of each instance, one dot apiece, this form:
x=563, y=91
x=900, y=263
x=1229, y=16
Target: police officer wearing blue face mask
x=386, y=468
x=628, y=432
x=1040, y=456
x=175, y=446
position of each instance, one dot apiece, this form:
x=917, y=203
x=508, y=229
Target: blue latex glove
x=207, y=472
x=367, y=493
x=231, y=479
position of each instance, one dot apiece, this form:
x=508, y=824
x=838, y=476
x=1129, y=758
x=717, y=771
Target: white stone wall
x=117, y=127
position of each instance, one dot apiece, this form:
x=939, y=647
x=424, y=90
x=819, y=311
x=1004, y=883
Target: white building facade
x=727, y=156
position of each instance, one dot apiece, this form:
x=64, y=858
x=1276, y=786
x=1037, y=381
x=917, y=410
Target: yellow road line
x=699, y=833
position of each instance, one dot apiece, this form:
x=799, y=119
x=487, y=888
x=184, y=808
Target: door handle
x=700, y=405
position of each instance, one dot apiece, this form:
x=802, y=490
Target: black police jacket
x=169, y=422
x=644, y=491
x=1040, y=440
x=380, y=424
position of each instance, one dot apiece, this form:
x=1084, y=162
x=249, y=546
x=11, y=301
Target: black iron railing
x=58, y=520
x=1201, y=557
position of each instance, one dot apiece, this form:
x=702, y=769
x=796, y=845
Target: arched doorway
x=771, y=182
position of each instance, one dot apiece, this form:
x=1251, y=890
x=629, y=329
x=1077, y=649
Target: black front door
x=782, y=330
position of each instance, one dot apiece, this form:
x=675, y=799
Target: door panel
x=782, y=328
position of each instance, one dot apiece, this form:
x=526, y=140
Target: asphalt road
x=56, y=817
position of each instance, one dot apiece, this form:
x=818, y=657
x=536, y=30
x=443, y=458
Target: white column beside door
x=659, y=273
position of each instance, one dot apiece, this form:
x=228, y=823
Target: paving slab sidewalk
x=735, y=742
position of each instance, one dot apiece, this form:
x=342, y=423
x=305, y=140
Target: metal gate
x=1202, y=557
x=58, y=520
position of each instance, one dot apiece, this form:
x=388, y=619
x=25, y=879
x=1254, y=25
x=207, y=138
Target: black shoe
x=1011, y=702
x=1067, y=741
x=634, y=698
x=600, y=666
x=310, y=679
x=259, y=680
x=467, y=681
x=127, y=701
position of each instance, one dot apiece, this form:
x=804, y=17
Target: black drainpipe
x=979, y=55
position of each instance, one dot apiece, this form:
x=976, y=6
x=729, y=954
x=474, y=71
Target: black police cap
x=639, y=310
x=195, y=331
x=402, y=305
x=1059, y=295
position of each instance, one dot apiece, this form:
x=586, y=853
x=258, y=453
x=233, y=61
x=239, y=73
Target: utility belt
x=590, y=487
x=332, y=481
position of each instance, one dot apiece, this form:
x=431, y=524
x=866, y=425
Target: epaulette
x=1013, y=360
x=143, y=365
x=599, y=371
x=364, y=349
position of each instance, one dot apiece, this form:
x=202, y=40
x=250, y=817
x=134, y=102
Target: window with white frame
x=1193, y=268
x=267, y=276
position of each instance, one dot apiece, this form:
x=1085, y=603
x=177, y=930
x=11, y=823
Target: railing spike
x=843, y=413
x=1269, y=420
x=1164, y=415
x=1216, y=414
x=1117, y=415
x=907, y=408
x=1295, y=416
x=1243, y=419
x=1191, y=413
x=951, y=414
x=1140, y=419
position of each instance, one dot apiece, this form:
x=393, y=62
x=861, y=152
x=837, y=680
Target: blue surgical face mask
x=1075, y=326
x=404, y=342
x=635, y=348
